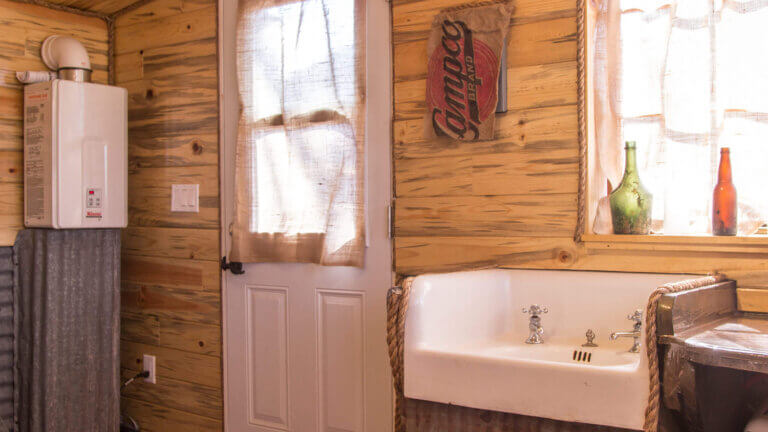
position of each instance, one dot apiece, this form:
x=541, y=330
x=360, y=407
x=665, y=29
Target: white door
x=304, y=345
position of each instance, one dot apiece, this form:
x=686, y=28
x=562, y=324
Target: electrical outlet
x=149, y=365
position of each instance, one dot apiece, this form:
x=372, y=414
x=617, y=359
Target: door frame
x=378, y=24
x=225, y=183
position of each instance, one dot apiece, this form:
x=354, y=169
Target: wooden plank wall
x=166, y=56
x=23, y=29
x=511, y=202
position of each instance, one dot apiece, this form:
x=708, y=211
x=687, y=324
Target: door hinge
x=235, y=267
x=391, y=219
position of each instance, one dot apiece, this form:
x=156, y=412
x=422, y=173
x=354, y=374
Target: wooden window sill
x=757, y=244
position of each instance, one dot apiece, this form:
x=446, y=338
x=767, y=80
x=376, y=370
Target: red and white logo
x=461, y=82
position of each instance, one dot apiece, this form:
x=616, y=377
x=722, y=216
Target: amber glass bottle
x=724, y=209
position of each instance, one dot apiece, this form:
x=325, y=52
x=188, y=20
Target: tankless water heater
x=75, y=155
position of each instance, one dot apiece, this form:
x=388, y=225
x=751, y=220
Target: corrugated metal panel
x=6, y=338
x=68, y=304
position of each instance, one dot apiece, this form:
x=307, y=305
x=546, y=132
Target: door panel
x=267, y=355
x=341, y=359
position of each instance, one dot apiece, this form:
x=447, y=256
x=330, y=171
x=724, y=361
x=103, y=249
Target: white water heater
x=75, y=155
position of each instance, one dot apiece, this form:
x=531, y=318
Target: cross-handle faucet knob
x=637, y=317
x=535, y=309
x=590, y=334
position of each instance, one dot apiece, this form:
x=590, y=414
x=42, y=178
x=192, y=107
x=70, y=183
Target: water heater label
x=37, y=153
x=93, y=202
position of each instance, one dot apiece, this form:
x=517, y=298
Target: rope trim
x=476, y=4
x=64, y=8
x=131, y=7
x=581, y=85
x=397, y=307
x=651, y=338
x=110, y=49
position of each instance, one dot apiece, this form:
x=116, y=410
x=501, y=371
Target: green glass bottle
x=631, y=203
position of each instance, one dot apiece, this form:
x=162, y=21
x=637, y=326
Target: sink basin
x=465, y=343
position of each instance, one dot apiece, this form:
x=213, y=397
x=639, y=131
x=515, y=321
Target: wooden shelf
x=725, y=244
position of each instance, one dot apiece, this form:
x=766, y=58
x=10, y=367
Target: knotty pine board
x=24, y=27
x=183, y=335
x=485, y=215
x=511, y=202
x=181, y=365
x=532, y=44
x=166, y=57
x=752, y=299
x=527, y=87
x=190, y=243
x=176, y=394
x=157, y=417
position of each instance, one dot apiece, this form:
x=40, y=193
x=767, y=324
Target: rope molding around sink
x=397, y=308
x=651, y=346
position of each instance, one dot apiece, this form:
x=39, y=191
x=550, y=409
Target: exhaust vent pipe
x=68, y=57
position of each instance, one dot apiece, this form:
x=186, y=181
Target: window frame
x=740, y=244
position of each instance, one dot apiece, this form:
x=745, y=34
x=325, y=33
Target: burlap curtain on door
x=683, y=79
x=300, y=148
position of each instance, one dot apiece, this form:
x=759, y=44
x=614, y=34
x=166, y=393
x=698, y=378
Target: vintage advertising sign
x=463, y=71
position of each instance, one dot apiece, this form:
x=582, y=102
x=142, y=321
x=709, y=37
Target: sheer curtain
x=683, y=79
x=299, y=159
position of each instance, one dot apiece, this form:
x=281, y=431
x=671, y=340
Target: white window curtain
x=682, y=79
x=300, y=149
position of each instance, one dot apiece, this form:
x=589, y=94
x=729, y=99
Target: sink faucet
x=637, y=317
x=535, y=324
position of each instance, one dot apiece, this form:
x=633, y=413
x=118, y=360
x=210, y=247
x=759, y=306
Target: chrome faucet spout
x=616, y=335
x=637, y=318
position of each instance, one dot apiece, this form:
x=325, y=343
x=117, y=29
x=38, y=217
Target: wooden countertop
x=737, y=342
x=707, y=328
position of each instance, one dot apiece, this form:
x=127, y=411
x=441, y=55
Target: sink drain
x=582, y=356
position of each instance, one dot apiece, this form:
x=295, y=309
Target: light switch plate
x=185, y=198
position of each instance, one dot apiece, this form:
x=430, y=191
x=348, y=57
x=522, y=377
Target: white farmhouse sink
x=465, y=343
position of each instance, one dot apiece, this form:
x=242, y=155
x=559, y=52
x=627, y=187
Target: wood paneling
x=753, y=299
x=100, y=6
x=542, y=129
x=172, y=363
x=511, y=202
x=171, y=296
x=485, y=215
x=172, y=303
x=131, y=36
x=166, y=57
x=191, y=243
x=183, y=335
x=24, y=27
x=154, y=9
x=176, y=394
x=155, y=417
